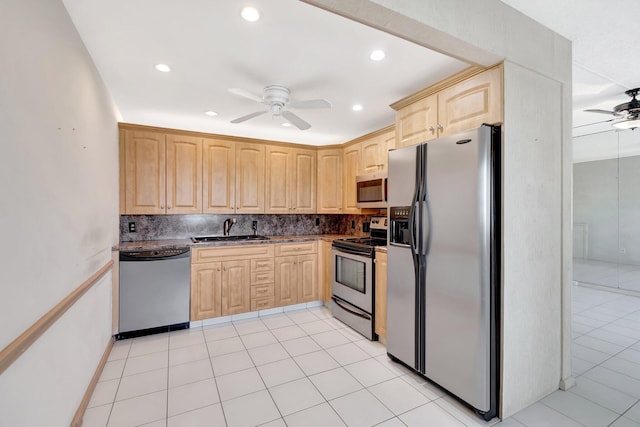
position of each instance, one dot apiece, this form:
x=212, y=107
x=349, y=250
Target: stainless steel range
x=353, y=275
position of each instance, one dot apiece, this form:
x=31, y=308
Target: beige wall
x=537, y=170
x=58, y=181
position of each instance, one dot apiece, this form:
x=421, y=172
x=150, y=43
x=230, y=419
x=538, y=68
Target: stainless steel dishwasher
x=154, y=291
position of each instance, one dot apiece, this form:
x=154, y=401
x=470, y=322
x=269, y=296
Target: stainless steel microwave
x=371, y=190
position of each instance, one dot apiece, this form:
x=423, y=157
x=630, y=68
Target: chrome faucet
x=228, y=223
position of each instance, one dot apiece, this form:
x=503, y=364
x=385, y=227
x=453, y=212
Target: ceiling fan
x=627, y=114
x=276, y=98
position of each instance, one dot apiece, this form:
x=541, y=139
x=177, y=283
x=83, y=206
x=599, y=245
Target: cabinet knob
x=161, y=206
x=168, y=207
x=432, y=129
x=440, y=127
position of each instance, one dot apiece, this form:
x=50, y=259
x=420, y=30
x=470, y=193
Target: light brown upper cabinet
x=417, y=122
x=162, y=173
x=351, y=164
x=184, y=174
x=290, y=182
x=233, y=177
x=249, y=178
x=464, y=105
x=330, y=181
x=374, y=152
x=219, y=176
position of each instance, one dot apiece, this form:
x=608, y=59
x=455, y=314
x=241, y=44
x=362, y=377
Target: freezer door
x=457, y=286
x=401, y=176
x=401, y=305
x=401, y=279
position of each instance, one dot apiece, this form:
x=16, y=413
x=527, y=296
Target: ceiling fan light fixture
x=211, y=113
x=357, y=107
x=377, y=55
x=631, y=123
x=250, y=14
x=287, y=124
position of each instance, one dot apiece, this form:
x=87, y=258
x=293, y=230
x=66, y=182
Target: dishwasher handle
x=154, y=255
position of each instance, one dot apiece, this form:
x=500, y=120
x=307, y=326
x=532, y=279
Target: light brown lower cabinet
x=296, y=276
x=381, y=294
x=236, y=292
x=238, y=279
x=325, y=271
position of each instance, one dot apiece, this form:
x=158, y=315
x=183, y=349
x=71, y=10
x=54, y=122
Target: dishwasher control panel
x=152, y=254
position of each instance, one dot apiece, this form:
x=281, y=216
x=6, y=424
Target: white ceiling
x=317, y=55
x=606, y=56
x=211, y=49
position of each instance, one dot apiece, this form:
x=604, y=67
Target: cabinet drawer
x=263, y=277
x=262, y=291
x=301, y=248
x=199, y=255
x=262, y=303
x=258, y=265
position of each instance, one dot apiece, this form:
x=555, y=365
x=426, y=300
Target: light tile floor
x=304, y=368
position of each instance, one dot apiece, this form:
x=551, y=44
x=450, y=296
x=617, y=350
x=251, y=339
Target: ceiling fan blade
x=598, y=111
x=248, y=116
x=295, y=120
x=245, y=94
x=311, y=103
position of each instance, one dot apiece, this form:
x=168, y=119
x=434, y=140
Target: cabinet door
x=206, y=290
x=472, y=102
x=417, y=122
x=219, y=176
x=278, y=179
x=327, y=278
x=389, y=143
x=249, y=178
x=351, y=166
x=236, y=287
x=184, y=175
x=373, y=154
x=381, y=294
x=308, y=278
x=303, y=196
x=286, y=280
x=145, y=162
x=329, y=187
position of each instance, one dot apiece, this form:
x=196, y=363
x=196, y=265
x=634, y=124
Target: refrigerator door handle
x=413, y=229
x=426, y=228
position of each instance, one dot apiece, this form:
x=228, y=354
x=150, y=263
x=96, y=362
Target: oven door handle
x=355, y=313
x=351, y=251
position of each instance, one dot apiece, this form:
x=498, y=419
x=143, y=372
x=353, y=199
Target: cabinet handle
x=161, y=206
x=168, y=207
x=440, y=127
x=261, y=277
x=432, y=129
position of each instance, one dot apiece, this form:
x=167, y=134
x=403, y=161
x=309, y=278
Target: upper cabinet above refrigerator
x=451, y=106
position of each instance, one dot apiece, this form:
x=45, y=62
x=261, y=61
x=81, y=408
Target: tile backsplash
x=162, y=227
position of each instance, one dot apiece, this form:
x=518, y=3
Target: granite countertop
x=181, y=243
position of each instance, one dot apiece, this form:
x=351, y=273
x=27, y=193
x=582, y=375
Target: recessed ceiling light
x=357, y=107
x=377, y=55
x=211, y=113
x=286, y=124
x=163, y=67
x=250, y=14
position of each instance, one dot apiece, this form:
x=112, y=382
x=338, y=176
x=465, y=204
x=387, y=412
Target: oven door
x=353, y=278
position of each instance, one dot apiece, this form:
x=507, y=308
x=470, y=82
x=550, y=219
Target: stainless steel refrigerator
x=443, y=263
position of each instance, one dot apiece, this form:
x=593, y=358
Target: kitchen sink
x=206, y=239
